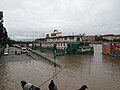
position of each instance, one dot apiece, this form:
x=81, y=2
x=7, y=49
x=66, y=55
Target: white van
x=24, y=49
x=6, y=51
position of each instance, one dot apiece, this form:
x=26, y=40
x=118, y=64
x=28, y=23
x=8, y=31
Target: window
x=71, y=38
x=65, y=38
x=78, y=39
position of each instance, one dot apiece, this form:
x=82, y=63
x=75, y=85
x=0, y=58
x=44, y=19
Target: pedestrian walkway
x=46, y=57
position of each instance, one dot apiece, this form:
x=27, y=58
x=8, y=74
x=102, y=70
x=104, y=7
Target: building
x=89, y=38
x=111, y=37
x=111, y=49
x=117, y=36
x=66, y=44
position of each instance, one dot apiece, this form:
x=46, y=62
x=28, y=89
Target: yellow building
x=111, y=37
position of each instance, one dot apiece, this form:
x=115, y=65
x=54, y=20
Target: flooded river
x=97, y=71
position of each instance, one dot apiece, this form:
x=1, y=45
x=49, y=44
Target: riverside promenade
x=46, y=57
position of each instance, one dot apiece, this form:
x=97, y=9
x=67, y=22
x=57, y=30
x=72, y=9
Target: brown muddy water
x=97, y=71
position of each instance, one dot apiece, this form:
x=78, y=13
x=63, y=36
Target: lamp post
x=54, y=55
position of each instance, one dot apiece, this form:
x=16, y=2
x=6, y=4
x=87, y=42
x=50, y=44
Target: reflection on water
x=97, y=71
x=12, y=72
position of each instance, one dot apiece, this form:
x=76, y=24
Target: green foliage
x=4, y=39
x=10, y=41
x=3, y=32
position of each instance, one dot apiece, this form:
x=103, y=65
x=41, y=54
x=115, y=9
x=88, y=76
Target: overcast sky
x=34, y=18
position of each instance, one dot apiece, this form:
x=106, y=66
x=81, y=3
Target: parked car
x=6, y=52
x=18, y=52
x=24, y=49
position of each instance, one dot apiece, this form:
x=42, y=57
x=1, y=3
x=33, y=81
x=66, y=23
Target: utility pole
x=54, y=55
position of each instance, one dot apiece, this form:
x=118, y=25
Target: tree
x=3, y=32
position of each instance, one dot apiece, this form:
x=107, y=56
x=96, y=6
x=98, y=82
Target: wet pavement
x=14, y=68
x=97, y=71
